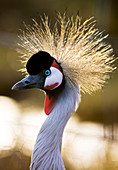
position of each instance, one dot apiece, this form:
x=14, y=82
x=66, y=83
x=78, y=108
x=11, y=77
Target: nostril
x=27, y=82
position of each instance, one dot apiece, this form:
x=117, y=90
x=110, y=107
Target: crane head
x=44, y=73
x=80, y=49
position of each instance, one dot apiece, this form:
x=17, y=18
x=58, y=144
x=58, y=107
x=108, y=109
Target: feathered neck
x=47, y=150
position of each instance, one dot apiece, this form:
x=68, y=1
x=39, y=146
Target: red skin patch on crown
x=49, y=104
x=54, y=64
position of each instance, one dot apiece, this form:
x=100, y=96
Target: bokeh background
x=91, y=137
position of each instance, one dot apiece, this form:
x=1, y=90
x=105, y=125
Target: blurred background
x=91, y=136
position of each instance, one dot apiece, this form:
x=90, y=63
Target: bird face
x=44, y=73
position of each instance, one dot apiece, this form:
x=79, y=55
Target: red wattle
x=49, y=104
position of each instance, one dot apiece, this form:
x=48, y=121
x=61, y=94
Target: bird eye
x=47, y=72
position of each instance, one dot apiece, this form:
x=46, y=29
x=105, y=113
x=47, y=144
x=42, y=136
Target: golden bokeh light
x=83, y=143
x=9, y=114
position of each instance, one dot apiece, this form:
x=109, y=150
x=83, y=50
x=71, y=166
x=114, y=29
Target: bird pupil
x=47, y=72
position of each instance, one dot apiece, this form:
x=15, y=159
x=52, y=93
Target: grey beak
x=32, y=81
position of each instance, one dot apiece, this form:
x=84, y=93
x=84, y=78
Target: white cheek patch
x=54, y=79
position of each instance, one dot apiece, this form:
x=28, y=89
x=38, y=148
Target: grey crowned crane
x=70, y=58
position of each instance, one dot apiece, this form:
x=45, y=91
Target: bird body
x=71, y=58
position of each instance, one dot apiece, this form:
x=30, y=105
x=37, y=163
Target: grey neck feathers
x=47, y=150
